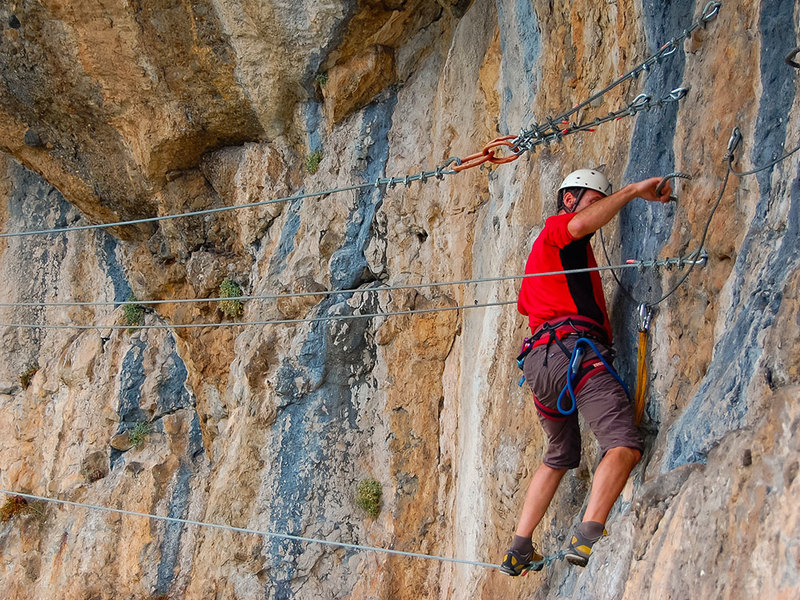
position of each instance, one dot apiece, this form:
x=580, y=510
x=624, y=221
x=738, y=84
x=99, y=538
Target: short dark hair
x=575, y=191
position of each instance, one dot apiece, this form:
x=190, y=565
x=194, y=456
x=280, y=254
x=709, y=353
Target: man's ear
x=569, y=201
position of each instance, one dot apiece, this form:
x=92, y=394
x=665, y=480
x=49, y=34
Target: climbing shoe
x=515, y=563
x=580, y=548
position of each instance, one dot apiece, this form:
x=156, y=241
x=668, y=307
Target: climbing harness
x=555, y=331
x=578, y=373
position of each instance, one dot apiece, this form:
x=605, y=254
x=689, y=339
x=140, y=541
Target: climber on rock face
x=565, y=311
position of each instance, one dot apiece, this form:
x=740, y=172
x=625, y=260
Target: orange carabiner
x=473, y=160
x=487, y=154
x=501, y=141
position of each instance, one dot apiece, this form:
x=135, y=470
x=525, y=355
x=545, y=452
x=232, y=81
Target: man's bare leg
x=540, y=493
x=609, y=479
x=541, y=490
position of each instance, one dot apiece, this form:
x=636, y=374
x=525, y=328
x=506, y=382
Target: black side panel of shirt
x=575, y=256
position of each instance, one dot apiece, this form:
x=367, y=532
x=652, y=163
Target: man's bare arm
x=593, y=217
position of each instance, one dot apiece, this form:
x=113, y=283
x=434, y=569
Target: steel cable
x=762, y=168
x=362, y=290
x=633, y=265
x=196, y=213
x=281, y=536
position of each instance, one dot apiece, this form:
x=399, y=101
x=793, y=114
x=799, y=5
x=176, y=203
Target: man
x=562, y=309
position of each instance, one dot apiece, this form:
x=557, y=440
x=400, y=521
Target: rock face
x=116, y=110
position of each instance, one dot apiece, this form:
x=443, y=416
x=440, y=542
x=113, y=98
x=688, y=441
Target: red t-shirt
x=552, y=296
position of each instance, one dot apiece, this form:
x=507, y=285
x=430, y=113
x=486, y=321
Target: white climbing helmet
x=590, y=179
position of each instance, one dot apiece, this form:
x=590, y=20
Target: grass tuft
x=230, y=308
x=133, y=313
x=17, y=505
x=368, y=496
x=313, y=160
x=139, y=433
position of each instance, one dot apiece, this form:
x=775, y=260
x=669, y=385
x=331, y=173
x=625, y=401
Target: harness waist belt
x=563, y=326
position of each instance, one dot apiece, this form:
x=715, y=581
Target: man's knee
x=631, y=456
x=560, y=471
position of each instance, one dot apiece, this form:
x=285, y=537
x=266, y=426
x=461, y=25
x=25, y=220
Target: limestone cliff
x=114, y=110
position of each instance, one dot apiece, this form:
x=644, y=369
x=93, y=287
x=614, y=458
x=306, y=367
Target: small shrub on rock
x=230, y=308
x=139, y=433
x=368, y=496
x=313, y=160
x=133, y=312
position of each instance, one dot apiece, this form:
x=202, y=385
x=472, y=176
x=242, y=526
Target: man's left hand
x=647, y=190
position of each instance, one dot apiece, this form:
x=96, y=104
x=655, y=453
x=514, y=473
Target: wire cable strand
x=761, y=168
x=281, y=536
x=634, y=265
x=251, y=323
x=362, y=290
x=730, y=169
x=696, y=253
x=196, y=213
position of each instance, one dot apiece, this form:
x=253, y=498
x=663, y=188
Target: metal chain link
x=529, y=139
x=555, y=128
x=710, y=11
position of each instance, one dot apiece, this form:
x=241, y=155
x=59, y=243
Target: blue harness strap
x=575, y=363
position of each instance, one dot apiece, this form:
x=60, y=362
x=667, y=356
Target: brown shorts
x=602, y=402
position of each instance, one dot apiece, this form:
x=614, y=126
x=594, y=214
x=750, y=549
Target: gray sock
x=591, y=530
x=522, y=545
